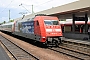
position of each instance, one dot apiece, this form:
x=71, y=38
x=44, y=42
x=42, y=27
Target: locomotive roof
x=27, y=18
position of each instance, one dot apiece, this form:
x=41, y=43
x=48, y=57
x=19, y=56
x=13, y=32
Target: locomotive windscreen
x=51, y=22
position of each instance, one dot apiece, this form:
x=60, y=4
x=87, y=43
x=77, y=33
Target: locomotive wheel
x=57, y=43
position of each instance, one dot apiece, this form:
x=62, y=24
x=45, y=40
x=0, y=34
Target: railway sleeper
x=79, y=48
x=76, y=43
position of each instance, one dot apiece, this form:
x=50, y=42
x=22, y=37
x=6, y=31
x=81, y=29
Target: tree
x=4, y=22
x=11, y=20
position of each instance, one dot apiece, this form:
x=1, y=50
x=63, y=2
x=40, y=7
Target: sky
x=19, y=7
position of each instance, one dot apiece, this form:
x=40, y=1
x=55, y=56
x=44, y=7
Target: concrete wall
x=75, y=35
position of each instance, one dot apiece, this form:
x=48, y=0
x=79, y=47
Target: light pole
x=32, y=9
x=9, y=15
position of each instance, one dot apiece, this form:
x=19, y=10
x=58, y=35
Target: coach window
x=37, y=23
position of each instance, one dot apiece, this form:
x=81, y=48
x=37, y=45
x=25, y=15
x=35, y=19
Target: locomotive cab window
x=51, y=22
x=37, y=23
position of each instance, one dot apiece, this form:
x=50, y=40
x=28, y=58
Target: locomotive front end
x=49, y=30
x=53, y=31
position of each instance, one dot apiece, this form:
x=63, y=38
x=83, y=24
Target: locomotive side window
x=37, y=23
x=51, y=22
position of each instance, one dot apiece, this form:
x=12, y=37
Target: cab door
x=37, y=28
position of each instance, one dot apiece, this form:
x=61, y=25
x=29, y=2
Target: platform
x=3, y=54
x=76, y=36
x=86, y=42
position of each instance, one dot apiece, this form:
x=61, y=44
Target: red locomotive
x=42, y=28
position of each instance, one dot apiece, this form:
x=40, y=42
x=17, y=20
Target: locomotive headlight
x=43, y=37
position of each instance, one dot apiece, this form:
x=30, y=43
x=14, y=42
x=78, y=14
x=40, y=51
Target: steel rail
x=17, y=52
x=72, y=53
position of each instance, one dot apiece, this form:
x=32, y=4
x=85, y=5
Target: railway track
x=71, y=52
x=79, y=45
x=17, y=52
x=62, y=49
x=74, y=48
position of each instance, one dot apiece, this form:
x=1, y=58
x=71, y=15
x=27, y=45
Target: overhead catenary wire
x=34, y=5
x=39, y=4
x=7, y=6
x=24, y=7
x=43, y=3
